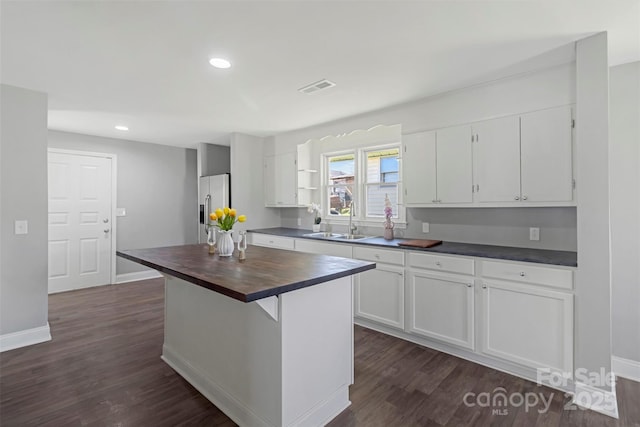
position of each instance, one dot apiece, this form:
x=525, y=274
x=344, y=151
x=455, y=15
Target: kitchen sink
x=323, y=235
x=354, y=237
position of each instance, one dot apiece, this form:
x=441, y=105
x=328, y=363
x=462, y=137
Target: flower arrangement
x=314, y=208
x=225, y=218
x=388, y=214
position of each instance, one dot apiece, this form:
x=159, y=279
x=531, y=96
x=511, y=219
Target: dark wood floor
x=103, y=369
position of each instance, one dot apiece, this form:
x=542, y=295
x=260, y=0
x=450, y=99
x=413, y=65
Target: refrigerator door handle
x=207, y=211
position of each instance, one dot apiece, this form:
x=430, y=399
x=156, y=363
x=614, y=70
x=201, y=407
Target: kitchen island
x=268, y=340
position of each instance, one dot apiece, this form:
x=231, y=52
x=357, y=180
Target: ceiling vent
x=317, y=86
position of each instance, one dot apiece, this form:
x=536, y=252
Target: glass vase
x=225, y=243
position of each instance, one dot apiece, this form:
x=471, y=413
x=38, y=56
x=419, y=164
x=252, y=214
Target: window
x=383, y=171
x=341, y=182
x=360, y=180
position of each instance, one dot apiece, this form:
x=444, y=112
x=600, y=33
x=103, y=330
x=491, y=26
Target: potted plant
x=388, y=214
x=314, y=208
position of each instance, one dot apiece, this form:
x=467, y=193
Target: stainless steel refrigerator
x=215, y=192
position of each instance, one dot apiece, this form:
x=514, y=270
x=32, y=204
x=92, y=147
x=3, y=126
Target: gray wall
x=624, y=137
x=23, y=195
x=157, y=185
x=215, y=159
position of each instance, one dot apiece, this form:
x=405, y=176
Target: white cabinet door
x=441, y=307
x=528, y=325
x=496, y=159
x=547, y=174
x=454, y=165
x=286, y=179
x=272, y=241
x=269, y=181
x=419, y=168
x=379, y=295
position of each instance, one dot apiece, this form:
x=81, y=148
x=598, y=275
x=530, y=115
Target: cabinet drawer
x=273, y=241
x=441, y=263
x=548, y=276
x=379, y=255
x=323, y=248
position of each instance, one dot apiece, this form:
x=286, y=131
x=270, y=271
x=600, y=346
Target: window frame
x=360, y=185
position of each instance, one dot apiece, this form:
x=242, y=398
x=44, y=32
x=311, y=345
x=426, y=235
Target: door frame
x=114, y=193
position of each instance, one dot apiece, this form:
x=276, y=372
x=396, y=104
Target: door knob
x=106, y=230
x=517, y=198
x=106, y=220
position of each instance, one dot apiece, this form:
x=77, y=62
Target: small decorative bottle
x=242, y=245
x=211, y=239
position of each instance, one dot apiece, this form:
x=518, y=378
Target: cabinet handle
x=438, y=264
x=434, y=201
x=524, y=197
x=469, y=285
x=522, y=274
x=484, y=286
x=517, y=198
x=377, y=256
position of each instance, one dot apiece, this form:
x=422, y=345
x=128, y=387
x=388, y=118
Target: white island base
x=278, y=361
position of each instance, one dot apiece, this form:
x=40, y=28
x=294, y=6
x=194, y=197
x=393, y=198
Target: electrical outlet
x=425, y=227
x=534, y=233
x=299, y=221
x=21, y=226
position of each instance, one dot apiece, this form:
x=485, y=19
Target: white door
x=419, y=168
x=454, y=165
x=496, y=159
x=546, y=156
x=442, y=308
x=379, y=295
x=79, y=221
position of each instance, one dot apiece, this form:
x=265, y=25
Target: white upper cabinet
x=289, y=179
x=419, y=168
x=454, y=165
x=280, y=180
x=497, y=159
x=547, y=174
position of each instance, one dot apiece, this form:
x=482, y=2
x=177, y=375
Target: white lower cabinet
x=323, y=248
x=528, y=325
x=379, y=295
x=271, y=241
x=441, y=307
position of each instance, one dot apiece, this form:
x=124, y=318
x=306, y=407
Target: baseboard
x=24, y=338
x=231, y=407
x=595, y=399
x=138, y=275
x=625, y=368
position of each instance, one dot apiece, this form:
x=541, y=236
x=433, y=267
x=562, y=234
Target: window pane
x=383, y=165
x=342, y=169
x=375, y=199
x=340, y=197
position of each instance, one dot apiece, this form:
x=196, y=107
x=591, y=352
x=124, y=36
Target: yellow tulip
x=226, y=210
x=213, y=216
x=219, y=213
x=242, y=218
x=232, y=212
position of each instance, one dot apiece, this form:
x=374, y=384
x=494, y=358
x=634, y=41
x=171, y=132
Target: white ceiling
x=145, y=64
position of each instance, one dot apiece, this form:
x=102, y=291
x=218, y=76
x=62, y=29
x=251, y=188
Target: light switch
x=425, y=227
x=21, y=226
x=121, y=212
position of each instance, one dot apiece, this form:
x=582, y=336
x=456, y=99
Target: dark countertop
x=540, y=256
x=266, y=272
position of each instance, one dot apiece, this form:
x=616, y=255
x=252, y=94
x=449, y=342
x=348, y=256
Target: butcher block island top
x=266, y=272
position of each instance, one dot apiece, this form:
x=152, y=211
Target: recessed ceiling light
x=121, y=127
x=220, y=63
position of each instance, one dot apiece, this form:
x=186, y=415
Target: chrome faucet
x=352, y=227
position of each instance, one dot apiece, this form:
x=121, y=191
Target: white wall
x=624, y=161
x=157, y=185
x=527, y=92
x=593, y=276
x=23, y=191
x=247, y=184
